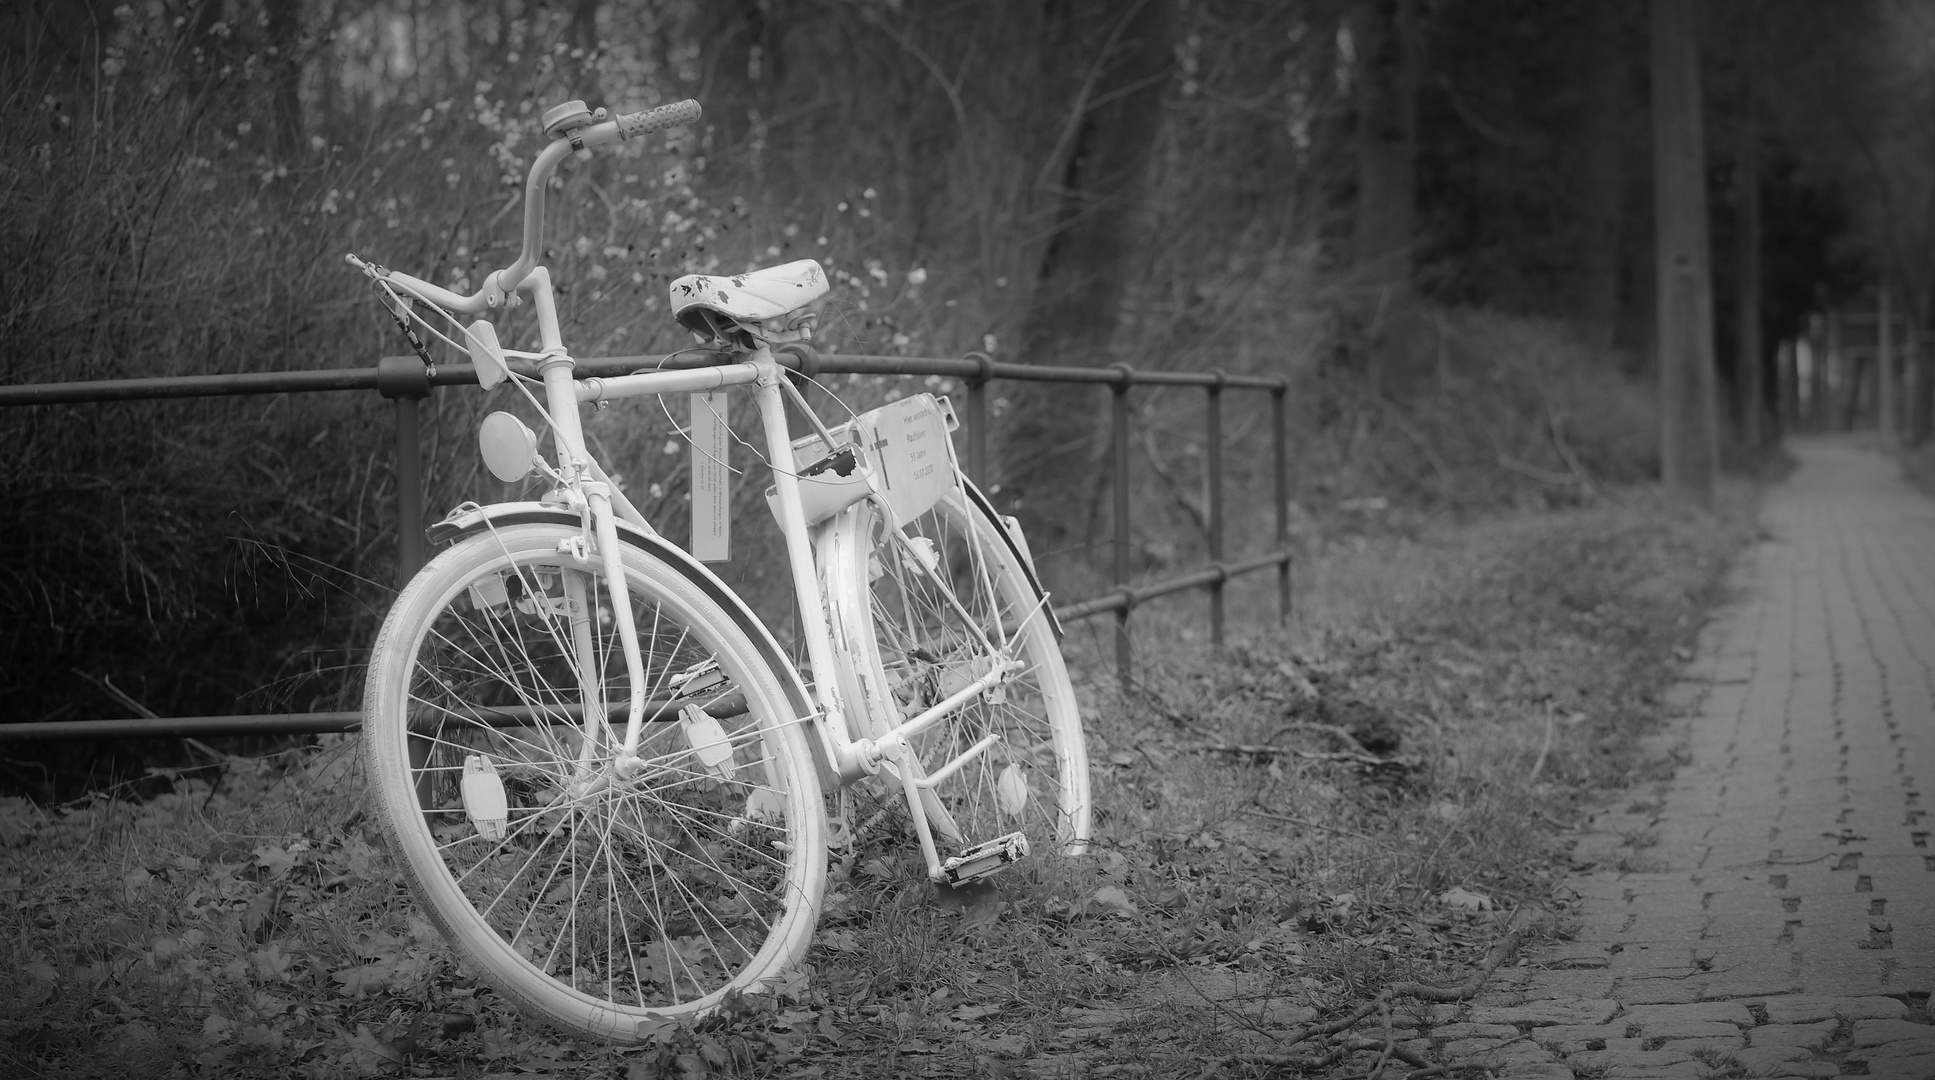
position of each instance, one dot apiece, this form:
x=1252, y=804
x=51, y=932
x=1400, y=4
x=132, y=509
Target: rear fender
x=1010, y=532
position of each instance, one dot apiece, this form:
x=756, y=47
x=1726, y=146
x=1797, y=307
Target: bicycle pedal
x=985, y=859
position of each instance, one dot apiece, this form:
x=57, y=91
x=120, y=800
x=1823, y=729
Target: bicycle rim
x=611, y=906
x=912, y=648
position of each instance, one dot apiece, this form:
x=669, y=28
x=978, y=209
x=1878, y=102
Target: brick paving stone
x=1570, y=984
x=1536, y=1070
x=1537, y=1013
x=1583, y=956
x=1752, y=980
x=1809, y=1036
x=1840, y=975
x=1725, y=1012
x=1888, y=1032
x=1801, y=1070
x=1675, y=1030
x=1567, y=1038
x=1895, y=1066
x=1625, y=1052
x=1500, y=1058
x=1475, y=1031
x=1770, y=1060
x=1707, y=1049
x=1667, y=990
x=1804, y=1008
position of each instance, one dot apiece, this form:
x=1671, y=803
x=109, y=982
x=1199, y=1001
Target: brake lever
x=373, y=271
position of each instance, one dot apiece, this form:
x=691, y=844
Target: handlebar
x=665, y=116
x=566, y=139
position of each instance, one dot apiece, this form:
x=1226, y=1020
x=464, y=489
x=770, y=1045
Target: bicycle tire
x=612, y=913
x=907, y=652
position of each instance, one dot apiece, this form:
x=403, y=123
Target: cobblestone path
x=1770, y=911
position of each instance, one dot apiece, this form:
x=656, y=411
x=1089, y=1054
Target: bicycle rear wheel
x=912, y=648
x=607, y=905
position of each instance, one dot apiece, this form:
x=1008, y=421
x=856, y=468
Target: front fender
x=471, y=517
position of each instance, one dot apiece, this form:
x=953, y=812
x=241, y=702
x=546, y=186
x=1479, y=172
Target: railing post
x=1213, y=499
x=977, y=407
x=1280, y=439
x=405, y=381
x=1119, y=458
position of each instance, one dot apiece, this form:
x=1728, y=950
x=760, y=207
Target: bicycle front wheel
x=606, y=903
x=914, y=617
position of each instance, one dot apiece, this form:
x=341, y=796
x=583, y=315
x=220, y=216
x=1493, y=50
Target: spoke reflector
x=484, y=797
x=1012, y=790
x=709, y=742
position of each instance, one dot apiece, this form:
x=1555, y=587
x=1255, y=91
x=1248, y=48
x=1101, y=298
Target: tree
x=1095, y=172
x=1750, y=365
x=1388, y=38
x=1689, y=448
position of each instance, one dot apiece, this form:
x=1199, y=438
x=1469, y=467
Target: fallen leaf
x=458, y=1023
x=838, y=940
x=1111, y=900
x=41, y=981
x=368, y=1051
x=1465, y=900
x=136, y=880
x=497, y=1043
x=274, y=859
x=364, y=979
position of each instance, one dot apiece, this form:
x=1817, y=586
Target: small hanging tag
x=487, y=354
x=711, y=480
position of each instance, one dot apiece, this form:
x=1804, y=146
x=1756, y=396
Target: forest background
x=1434, y=216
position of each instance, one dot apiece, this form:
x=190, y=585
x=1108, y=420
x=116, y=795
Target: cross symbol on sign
x=877, y=445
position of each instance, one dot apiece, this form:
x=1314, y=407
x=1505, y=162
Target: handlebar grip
x=665, y=116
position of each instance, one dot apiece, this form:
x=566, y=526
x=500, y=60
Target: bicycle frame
x=850, y=753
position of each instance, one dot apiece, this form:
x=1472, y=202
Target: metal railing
x=406, y=382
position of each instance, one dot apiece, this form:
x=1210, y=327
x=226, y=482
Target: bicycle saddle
x=716, y=305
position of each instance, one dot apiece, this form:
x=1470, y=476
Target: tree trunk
x=1100, y=177
x=1885, y=387
x=1787, y=388
x=1749, y=364
x=285, y=37
x=1388, y=40
x=1604, y=188
x=1689, y=449
x=1921, y=394
x=1097, y=171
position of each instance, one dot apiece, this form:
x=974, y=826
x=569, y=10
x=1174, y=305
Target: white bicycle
x=604, y=778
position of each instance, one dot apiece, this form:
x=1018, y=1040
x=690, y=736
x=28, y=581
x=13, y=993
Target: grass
x=1258, y=868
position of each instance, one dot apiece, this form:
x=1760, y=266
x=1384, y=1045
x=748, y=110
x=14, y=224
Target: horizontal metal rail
x=406, y=381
